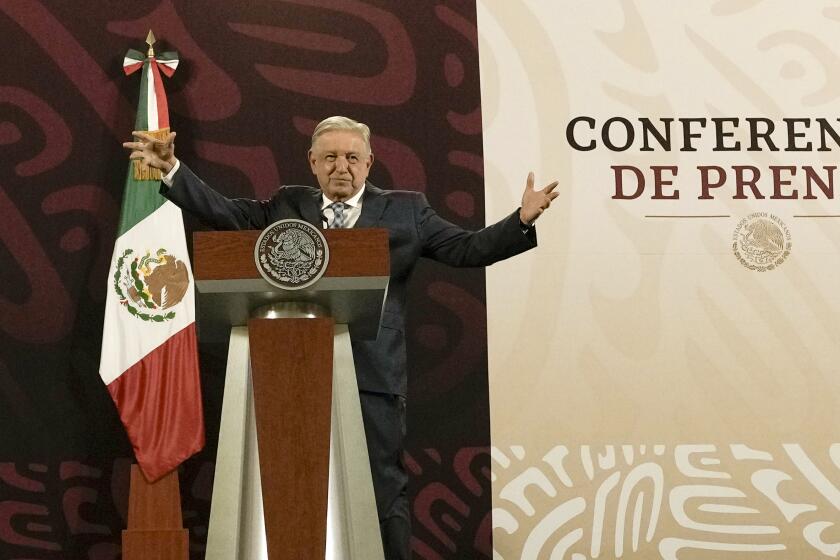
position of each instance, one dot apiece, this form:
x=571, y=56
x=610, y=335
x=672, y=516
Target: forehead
x=340, y=141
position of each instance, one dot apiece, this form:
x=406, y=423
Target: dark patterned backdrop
x=254, y=79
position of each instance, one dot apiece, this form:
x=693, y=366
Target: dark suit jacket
x=415, y=230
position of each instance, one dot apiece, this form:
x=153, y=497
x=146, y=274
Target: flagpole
x=155, y=528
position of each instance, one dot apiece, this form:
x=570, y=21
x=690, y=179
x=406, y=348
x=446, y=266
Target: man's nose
x=341, y=164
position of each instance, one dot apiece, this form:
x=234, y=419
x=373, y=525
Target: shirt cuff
x=522, y=225
x=170, y=177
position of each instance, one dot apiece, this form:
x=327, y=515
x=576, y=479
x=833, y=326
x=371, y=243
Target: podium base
x=237, y=522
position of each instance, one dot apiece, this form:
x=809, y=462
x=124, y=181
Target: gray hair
x=342, y=123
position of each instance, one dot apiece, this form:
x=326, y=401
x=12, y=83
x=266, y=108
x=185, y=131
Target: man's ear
x=311, y=157
x=370, y=160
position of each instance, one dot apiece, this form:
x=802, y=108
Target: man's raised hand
x=534, y=202
x=155, y=152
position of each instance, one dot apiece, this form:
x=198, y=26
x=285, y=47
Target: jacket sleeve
x=190, y=193
x=450, y=244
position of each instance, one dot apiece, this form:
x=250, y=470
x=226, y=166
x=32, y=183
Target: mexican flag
x=149, y=352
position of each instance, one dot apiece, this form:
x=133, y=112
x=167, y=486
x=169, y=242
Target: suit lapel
x=310, y=209
x=373, y=204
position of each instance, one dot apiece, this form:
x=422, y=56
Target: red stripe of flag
x=162, y=105
x=159, y=401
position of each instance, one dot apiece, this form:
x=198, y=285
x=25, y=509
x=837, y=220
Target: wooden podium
x=292, y=474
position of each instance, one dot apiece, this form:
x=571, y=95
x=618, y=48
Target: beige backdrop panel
x=651, y=397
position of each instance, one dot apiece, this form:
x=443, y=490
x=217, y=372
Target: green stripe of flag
x=140, y=198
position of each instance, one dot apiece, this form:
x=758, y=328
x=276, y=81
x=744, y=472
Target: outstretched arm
x=455, y=246
x=192, y=194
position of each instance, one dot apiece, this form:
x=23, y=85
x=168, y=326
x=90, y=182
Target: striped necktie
x=338, y=215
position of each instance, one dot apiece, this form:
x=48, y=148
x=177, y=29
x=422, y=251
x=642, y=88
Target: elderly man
x=340, y=158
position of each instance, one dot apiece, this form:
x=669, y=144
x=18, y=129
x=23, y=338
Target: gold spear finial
x=150, y=40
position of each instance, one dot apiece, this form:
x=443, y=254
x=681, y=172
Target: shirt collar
x=352, y=202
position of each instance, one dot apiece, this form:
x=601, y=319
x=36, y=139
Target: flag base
x=155, y=527
x=155, y=545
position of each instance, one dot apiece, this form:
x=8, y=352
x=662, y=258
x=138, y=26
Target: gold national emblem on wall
x=761, y=241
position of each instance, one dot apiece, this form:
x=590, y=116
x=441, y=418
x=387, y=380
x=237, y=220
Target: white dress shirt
x=169, y=177
x=352, y=210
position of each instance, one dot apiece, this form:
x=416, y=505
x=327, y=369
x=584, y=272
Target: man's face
x=341, y=161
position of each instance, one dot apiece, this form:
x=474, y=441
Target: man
x=340, y=158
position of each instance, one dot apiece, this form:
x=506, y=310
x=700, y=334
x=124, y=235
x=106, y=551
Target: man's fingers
x=149, y=138
x=143, y=135
x=545, y=190
x=551, y=187
x=535, y=202
x=546, y=202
